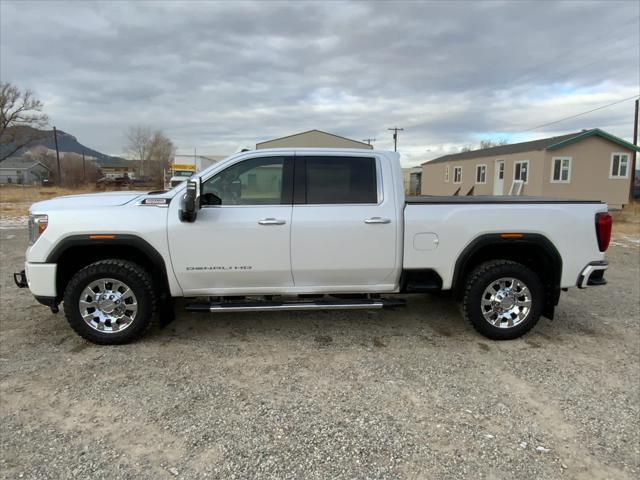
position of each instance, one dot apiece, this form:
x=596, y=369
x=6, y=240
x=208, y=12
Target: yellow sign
x=183, y=166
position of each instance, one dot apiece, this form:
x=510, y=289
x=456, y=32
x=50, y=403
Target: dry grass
x=627, y=221
x=12, y=193
x=16, y=200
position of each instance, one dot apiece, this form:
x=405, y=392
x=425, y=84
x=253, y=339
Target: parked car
x=306, y=229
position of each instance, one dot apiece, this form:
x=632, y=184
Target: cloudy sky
x=221, y=76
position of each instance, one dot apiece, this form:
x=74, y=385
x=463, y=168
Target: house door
x=498, y=181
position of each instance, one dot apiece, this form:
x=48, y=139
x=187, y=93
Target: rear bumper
x=593, y=274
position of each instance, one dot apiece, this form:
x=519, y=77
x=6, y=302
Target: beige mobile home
x=589, y=165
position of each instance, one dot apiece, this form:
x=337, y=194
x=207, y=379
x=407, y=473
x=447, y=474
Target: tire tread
x=483, y=327
x=131, y=270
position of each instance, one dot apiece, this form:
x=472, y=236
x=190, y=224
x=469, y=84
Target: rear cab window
x=336, y=180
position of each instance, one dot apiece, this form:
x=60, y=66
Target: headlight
x=37, y=226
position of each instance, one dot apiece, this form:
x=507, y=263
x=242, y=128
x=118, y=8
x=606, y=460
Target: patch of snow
x=625, y=241
x=7, y=223
x=634, y=240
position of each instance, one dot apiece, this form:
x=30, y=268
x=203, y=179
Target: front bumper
x=39, y=277
x=21, y=279
x=593, y=274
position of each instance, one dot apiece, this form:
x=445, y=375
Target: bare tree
x=161, y=153
x=484, y=144
x=75, y=171
x=20, y=118
x=152, y=149
x=138, y=144
x=492, y=143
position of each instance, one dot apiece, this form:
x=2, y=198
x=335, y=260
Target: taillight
x=603, y=230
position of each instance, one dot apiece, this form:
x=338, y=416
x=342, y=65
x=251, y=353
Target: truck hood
x=106, y=199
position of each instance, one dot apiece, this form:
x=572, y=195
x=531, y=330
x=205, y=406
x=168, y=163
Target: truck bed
x=438, y=229
x=490, y=199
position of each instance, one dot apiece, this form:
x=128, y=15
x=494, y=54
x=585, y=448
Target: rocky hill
x=66, y=143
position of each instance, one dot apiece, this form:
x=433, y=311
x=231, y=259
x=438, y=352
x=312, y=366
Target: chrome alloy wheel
x=108, y=305
x=506, y=302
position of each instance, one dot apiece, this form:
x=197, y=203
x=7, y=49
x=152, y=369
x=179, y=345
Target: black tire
x=135, y=277
x=486, y=274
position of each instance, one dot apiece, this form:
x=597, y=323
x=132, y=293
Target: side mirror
x=210, y=199
x=190, y=203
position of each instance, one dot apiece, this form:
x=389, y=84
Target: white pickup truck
x=302, y=229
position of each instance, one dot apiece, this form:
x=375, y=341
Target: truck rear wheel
x=503, y=299
x=110, y=302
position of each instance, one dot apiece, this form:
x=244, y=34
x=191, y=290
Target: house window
x=446, y=174
x=481, y=174
x=521, y=171
x=500, y=169
x=619, y=165
x=561, y=170
x=457, y=175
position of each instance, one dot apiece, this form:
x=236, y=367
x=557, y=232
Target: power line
x=618, y=52
x=580, y=114
x=572, y=51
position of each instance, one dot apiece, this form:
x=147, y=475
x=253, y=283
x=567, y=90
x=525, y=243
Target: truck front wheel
x=503, y=299
x=110, y=302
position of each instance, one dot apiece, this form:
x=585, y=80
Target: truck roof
x=320, y=150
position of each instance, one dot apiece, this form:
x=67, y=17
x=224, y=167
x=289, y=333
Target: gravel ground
x=411, y=393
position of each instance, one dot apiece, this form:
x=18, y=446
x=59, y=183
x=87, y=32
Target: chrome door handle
x=271, y=221
x=377, y=220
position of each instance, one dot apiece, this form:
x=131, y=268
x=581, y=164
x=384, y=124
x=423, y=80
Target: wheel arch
x=77, y=251
x=531, y=249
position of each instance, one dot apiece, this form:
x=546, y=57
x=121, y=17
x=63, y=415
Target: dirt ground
x=410, y=393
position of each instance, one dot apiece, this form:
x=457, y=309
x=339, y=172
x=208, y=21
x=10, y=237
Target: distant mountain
x=66, y=143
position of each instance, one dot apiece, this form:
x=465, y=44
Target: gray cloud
x=219, y=76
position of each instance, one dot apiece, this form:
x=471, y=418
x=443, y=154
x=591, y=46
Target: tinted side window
x=331, y=180
x=258, y=181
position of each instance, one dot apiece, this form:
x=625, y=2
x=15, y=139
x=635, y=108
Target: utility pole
x=635, y=153
x=84, y=169
x=395, y=131
x=369, y=140
x=55, y=139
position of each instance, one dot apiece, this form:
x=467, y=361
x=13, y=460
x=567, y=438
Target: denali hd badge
x=232, y=267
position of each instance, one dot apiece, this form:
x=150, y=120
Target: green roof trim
x=590, y=133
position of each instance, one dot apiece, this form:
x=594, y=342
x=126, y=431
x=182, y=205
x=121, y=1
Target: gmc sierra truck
x=304, y=229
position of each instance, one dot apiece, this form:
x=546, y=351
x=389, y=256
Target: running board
x=261, y=306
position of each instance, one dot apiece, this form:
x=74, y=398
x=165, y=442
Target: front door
x=498, y=181
x=240, y=240
x=344, y=230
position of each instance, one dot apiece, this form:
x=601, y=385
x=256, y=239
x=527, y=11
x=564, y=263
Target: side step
x=267, y=305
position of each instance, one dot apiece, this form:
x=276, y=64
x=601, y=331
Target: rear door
x=343, y=231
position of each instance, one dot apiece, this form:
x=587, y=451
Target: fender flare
x=111, y=240
x=526, y=239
